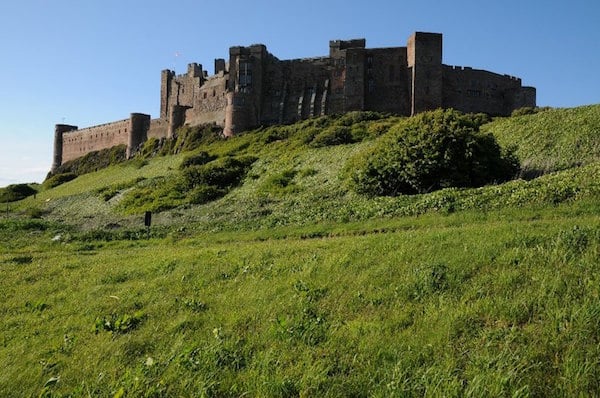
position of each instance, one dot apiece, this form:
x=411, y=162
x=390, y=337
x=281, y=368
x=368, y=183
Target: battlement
x=346, y=44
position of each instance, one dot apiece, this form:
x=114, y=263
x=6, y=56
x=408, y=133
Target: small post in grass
x=148, y=222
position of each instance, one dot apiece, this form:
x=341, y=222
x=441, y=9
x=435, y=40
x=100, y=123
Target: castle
x=255, y=88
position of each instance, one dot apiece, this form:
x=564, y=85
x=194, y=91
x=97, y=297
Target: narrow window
x=245, y=74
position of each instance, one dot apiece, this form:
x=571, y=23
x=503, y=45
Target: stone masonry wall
x=79, y=142
x=473, y=90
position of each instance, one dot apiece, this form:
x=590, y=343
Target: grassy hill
x=292, y=285
x=552, y=140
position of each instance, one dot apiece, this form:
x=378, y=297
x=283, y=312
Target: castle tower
x=59, y=129
x=139, y=124
x=244, y=95
x=424, y=53
x=166, y=77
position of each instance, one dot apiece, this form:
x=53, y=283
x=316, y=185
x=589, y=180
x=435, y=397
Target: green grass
x=293, y=285
x=552, y=140
x=410, y=307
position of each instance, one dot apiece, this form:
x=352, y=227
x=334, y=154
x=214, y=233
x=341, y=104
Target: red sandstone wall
x=80, y=142
x=158, y=128
x=209, y=102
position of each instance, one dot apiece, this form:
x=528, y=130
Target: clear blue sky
x=95, y=61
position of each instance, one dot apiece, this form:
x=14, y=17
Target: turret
x=59, y=129
x=166, y=77
x=139, y=124
x=244, y=95
x=424, y=52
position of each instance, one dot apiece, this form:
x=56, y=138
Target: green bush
x=529, y=110
x=352, y=118
x=34, y=212
x=189, y=138
x=222, y=173
x=15, y=192
x=197, y=159
x=150, y=148
x=334, y=135
x=431, y=151
x=59, y=179
x=204, y=194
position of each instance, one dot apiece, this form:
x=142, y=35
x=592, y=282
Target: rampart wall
x=79, y=142
x=71, y=143
x=474, y=90
x=158, y=128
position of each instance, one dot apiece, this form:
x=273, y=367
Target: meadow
x=292, y=284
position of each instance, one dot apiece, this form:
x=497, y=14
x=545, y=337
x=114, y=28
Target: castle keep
x=254, y=88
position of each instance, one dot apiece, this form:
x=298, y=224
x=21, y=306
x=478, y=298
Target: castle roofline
x=345, y=44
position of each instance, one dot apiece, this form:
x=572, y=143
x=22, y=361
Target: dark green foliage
x=204, y=194
x=103, y=235
x=34, y=212
x=191, y=138
x=15, y=192
x=222, y=173
x=93, y=161
x=157, y=194
x=185, y=139
x=58, y=179
x=197, y=159
x=119, y=324
x=352, y=118
x=529, y=110
x=280, y=182
x=431, y=151
x=196, y=184
x=22, y=259
x=19, y=225
x=275, y=134
x=150, y=148
x=334, y=135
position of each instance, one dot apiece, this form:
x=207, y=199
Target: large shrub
x=16, y=192
x=197, y=159
x=221, y=173
x=430, y=151
x=58, y=179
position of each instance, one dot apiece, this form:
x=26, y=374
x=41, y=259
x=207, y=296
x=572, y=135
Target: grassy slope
x=552, y=140
x=309, y=289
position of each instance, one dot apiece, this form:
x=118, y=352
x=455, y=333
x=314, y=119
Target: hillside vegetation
x=552, y=140
x=267, y=274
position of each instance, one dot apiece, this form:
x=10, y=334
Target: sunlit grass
x=293, y=285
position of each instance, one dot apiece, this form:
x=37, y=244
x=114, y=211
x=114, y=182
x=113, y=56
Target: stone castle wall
x=79, y=142
x=473, y=90
x=254, y=88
